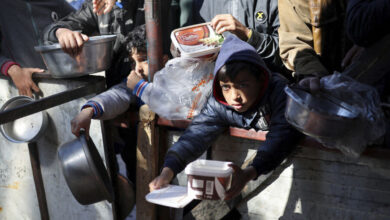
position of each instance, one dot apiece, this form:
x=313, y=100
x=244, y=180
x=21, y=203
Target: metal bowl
x=95, y=56
x=25, y=129
x=84, y=171
x=319, y=116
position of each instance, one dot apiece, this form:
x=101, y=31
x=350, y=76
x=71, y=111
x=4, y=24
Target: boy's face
x=242, y=92
x=140, y=59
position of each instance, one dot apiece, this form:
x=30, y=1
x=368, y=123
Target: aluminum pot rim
x=92, y=40
x=104, y=188
x=41, y=129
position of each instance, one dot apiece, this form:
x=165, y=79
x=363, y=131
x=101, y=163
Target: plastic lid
x=189, y=40
x=171, y=196
x=209, y=168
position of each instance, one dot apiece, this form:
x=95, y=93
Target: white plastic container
x=208, y=179
x=188, y=40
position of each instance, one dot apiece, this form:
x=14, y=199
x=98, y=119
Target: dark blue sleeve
x=367, y=20
x=196, y=139
x=281, y=139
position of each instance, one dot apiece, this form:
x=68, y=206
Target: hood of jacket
x=234, y=49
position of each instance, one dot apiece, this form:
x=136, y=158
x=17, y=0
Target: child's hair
x=137, y=39
x=230, y=70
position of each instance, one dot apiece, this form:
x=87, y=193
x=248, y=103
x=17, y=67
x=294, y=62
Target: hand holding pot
x=82, y=120
x=71, y=41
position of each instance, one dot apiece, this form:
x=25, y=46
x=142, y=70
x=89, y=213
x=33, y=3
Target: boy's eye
x=225, y=87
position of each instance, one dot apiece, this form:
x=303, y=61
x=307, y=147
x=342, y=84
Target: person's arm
x=21, y=77
x=296, y=40
x=196, y=139
x=84, y=20
x=367, y=21
x=113, y=102
x=281, y=138
x=267, y=43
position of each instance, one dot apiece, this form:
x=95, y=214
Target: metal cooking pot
x=95, y=56
x=84, y=171
x=26, y=129
x=319, y=116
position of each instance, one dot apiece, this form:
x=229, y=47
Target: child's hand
x=102, y=6
x=133, y=79
x=82, y=120
x=71, y=41
x=240, y=178
x=162, y=180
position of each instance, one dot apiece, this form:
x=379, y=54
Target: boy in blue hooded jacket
x=245, y=95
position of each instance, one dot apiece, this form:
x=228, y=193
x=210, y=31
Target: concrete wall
x=17, y=191
x=311, y=184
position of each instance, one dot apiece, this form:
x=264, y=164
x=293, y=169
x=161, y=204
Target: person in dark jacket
x=367, y=21
x=120, y=21
x=245, y=95
x=21, y=27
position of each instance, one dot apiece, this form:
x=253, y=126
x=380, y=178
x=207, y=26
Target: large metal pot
x=26, y=129
x=95, y=56
x=84, y=171
x=319, y=116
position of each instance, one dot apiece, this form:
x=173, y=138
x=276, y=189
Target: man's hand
x=352, y=55
x=133, y=79
x=240, y=178
x=311, y=83
x=162, y=180
x=22, y=78
x=102, y=6
x=226, y=22
x=71, y=41
x=82, y=120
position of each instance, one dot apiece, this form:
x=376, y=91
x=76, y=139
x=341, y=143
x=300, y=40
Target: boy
x=245, y=95
x=118, y=98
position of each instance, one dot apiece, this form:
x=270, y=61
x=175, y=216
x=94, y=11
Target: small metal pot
x=84, y=171
x=95, y=56
x=26, y=129
x=319, y=116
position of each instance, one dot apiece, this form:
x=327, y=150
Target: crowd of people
x=268, y=44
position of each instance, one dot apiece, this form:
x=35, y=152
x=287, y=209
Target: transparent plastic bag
x=180, y=89
x=371, y=120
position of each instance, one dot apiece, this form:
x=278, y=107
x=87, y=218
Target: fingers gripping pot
x=208, y=179
x=26, y=129
x=84, y=171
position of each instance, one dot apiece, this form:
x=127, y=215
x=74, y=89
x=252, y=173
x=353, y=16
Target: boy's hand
x=226, y=22
x=82, y=120
x=133, y=79
x=22, y=78
x=162, y=180
x=71, y=41
x=102, y=6
x=240, y=178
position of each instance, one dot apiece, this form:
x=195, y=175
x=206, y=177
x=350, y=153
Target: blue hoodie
x=216, y=117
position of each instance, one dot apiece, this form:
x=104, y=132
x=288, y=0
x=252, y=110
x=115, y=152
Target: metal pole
x=154, y=37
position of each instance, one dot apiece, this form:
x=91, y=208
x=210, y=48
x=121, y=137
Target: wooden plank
x=147, y=162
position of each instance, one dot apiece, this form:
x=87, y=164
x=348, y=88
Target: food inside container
x=198, y=40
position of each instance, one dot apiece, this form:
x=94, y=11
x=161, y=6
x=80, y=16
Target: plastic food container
x=198, y=40
x=208, y=179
